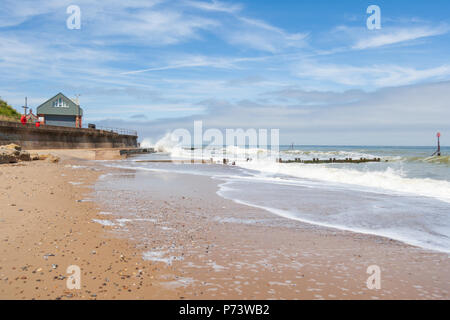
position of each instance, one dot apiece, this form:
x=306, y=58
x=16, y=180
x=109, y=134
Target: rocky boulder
x=12, y=146
x=49, y=157
x=24, y=156
x=13, y=153
x=35, y=156
x=8, y=156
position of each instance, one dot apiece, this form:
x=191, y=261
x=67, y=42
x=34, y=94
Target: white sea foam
x=75, y=166
x=406, y=235
x=237, y=220
x=147, y=143
x=388, y=179
x=103, y=176
x=104, y=222
x=395, y=199
x=160, y=256
x=75, y=183
x=122, y=222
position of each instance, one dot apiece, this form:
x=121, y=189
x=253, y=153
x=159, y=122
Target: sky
x=311, y=69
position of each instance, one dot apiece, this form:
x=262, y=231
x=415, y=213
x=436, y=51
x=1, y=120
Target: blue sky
x=310, y=68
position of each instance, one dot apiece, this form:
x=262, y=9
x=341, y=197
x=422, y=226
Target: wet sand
x=45, y=227
x=177, y=239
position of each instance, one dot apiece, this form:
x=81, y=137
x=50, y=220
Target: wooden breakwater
x=133, y=151
x=191, y=161
x=279, y=160
x=210, y=161
x=331, y=160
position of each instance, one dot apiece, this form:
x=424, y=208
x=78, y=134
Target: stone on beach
x=24, y=156
x=48, y=157
x=13, y=153
x=12, y=146
x=53, y=158
x=8, y=156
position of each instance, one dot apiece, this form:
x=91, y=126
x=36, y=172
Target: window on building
x=59, y=103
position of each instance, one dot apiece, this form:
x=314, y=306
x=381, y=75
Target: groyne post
x=439, y=144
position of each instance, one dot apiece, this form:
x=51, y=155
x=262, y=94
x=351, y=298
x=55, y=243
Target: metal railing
x=115, y=130
x=43, y=126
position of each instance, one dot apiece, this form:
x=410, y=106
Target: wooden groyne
x=279, y=160
x=331, y=160
x=133, y=151
x=178, y=161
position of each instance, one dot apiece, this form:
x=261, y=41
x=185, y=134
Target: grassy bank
x=8, y=113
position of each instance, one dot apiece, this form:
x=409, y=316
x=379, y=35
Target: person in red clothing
x=23, y=119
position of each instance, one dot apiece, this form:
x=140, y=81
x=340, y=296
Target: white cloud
x=398, y=36
x=390, y=116
x=262, y=36
x=375, y=76
x=192, y=62
x=156, y=22
x=14, y=12
x=199, y=61
x=215, y=5
x=154, y=27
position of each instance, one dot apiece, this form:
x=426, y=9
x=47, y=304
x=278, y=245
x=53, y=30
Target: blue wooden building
x=60, y=111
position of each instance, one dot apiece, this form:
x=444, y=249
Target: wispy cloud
x=374, y=76
x=199, y=61
x=154, y=27
x=215, y=5
x=399, y=36
x=192, y=62
x=262, y=36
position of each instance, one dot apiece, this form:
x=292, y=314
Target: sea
x=405, y=196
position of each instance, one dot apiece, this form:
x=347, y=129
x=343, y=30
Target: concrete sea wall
x=53, y=137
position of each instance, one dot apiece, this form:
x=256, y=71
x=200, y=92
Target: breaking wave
x=389, y=177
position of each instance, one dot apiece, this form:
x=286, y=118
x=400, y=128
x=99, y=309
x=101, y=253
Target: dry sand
x=41, y=215
x=198, y=245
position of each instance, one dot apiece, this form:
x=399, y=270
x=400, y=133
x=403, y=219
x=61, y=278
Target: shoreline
x=232, y=241
x=334, y=228
x=228, y=250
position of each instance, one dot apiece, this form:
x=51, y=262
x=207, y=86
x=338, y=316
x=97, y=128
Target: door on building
x=59, y=120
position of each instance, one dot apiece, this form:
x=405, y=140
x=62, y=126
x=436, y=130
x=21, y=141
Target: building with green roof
x=60, y=111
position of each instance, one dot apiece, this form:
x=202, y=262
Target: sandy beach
x=184, y=242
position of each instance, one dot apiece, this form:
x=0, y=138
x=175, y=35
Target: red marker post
x=439, y=144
